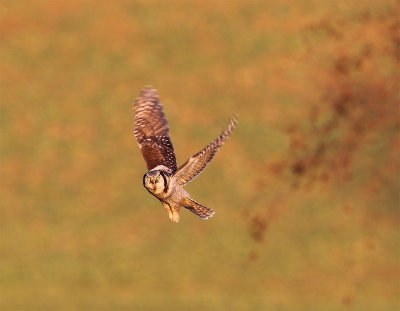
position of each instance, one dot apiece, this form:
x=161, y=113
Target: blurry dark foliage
x=355, y=109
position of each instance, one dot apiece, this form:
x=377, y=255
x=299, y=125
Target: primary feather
x=198, y=162
x=152, y=131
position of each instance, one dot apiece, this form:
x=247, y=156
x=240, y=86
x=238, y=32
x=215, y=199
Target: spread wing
x=197, y=163
x=152, y=131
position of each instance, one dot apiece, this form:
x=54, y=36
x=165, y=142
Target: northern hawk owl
x=164, y=179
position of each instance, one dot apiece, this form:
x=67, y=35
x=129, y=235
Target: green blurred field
x=306, y=192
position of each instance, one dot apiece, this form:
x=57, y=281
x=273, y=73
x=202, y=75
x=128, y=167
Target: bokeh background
x=306, y=191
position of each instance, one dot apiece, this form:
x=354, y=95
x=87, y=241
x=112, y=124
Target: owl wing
x=152, y=131
x=198, y=162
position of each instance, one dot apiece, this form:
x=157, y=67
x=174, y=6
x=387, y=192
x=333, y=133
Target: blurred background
x=306, y=191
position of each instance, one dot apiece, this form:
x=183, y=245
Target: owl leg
x=173, y=212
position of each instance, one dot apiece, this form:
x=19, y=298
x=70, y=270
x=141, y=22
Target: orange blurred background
x=306, y=192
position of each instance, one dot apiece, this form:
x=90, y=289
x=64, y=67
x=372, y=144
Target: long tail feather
x=198, y=209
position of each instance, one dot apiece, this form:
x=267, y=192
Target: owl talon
x=174, y=217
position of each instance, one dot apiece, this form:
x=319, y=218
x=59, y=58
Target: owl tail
x=198, y=209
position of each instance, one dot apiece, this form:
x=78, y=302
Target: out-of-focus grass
x=306, y=191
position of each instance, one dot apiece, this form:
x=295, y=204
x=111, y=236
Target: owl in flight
x=164, y=179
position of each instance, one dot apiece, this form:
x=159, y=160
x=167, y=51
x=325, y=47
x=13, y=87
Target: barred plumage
x=198, y=209
x=164, y=180
x=152, y=131
x=198, y=162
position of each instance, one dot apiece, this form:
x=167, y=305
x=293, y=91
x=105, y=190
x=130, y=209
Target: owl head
x=155, y=181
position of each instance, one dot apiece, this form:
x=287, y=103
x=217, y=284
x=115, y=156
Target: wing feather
x=198, y=162
x=152, y=131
